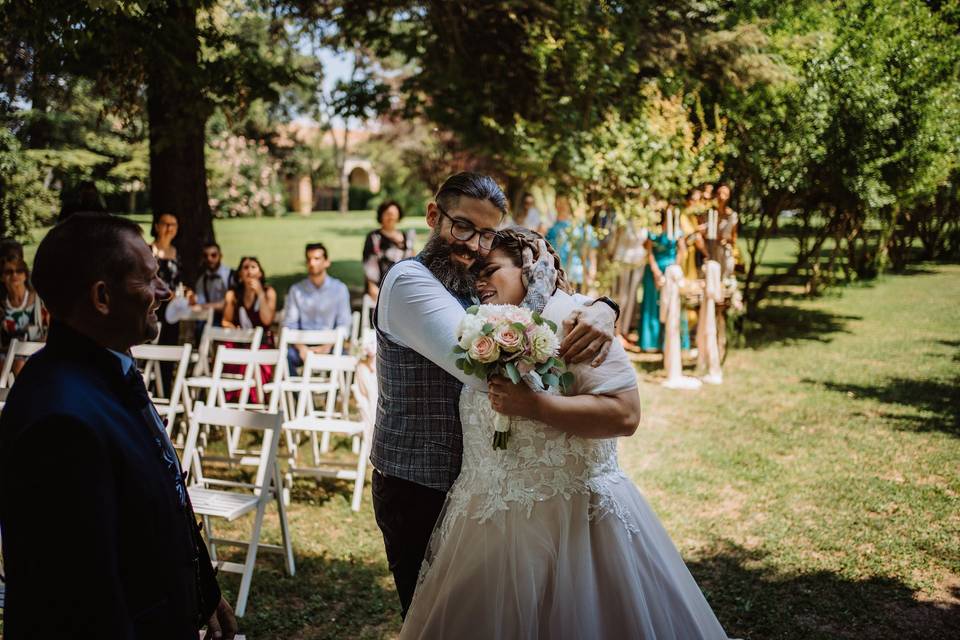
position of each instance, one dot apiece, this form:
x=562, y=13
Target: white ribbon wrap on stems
x=708, y=349
x=670, y=310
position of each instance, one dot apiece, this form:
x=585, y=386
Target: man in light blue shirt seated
x=320, y=301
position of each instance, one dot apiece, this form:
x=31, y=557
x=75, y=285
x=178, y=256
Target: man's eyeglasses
x=12, y=272
x=464, y=230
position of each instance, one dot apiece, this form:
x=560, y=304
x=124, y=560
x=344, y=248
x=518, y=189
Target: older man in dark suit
x=99, y=538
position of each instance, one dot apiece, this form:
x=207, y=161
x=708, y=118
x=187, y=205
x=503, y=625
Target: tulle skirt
x=557, y=573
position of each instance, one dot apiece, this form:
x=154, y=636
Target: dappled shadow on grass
x=754, y=601
x=934, y=404
x=326, y=598
x=777, y=324
x=953, y=344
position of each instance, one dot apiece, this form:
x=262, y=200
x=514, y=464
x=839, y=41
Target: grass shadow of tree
x=754, y=601
x=773, y=325
x=326, y=598
x=934, y=405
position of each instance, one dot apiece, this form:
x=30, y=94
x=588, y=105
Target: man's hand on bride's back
x=588, y=334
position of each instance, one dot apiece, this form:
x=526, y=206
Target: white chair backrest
x=327, y=363
x=17, y=349
x=154, y=354
x=268, y=423
x=212, y=335
x=160, y=352
x=333, y=369
x=366, y=311
x=354, y=327
x=333, y=338
x=201, y=315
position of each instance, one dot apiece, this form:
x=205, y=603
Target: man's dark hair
x=211, y=243
x=386, y=205
x=313, y=246
x=471, y=185
x=84, y=248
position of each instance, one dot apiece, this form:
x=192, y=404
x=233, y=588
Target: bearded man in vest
x=417, y=443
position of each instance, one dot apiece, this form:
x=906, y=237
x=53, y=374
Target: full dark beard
x=457, y=278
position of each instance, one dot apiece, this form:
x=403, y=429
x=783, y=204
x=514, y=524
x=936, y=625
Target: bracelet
x=610, y=303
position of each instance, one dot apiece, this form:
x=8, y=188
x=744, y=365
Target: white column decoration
x=670, y=310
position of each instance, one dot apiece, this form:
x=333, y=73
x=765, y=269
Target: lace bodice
x=540, y=463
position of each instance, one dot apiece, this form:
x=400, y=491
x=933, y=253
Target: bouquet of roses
x=512, y=342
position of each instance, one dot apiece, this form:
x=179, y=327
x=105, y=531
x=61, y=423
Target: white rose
x=470, y=329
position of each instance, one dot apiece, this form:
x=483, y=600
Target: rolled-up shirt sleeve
x=416, y=311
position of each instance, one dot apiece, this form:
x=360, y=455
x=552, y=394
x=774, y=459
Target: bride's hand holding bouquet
x=510, y=342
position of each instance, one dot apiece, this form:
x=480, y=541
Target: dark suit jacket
x=98, y=540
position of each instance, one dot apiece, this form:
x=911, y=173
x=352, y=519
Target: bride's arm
x=585, y=415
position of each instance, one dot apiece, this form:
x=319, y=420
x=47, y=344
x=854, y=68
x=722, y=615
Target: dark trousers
x=406, y=513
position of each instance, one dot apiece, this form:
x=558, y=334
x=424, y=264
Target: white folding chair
x=17, y=349
x=290, y=383
x=354, y=327
x=229, y=499
x=152, y=355
x=229, y=382
x=212, y=335
x=311, y=421
x=366, y=310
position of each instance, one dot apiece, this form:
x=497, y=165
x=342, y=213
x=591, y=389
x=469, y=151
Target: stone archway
x=360, y=173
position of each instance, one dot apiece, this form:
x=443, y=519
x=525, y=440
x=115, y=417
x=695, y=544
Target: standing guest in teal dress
x=662, y=251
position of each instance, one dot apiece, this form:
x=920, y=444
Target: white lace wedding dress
x=549, y=539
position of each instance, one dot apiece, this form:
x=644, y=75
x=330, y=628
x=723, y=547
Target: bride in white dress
x=548, y=538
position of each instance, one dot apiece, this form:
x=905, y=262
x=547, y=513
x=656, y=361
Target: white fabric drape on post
x=670, y=310
x=708, y=350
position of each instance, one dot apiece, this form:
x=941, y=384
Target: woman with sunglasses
x=24, y=316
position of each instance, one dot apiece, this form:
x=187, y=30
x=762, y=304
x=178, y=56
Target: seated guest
x=319, y=301
x=165, y=226
x=137, y=565
x=213, y=283
x=251, y=303
x=24, y=316
x=385, y=246
x=9, y=248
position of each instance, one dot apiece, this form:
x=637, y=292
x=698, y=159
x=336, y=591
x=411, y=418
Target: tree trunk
x=177, y=113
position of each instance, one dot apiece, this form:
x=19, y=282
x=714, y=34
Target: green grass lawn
x=816, y=494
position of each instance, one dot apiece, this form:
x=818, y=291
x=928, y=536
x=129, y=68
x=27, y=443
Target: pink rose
x=484, y=349
x=509, y=338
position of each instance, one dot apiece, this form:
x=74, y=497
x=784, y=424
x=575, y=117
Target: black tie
x=168, y=455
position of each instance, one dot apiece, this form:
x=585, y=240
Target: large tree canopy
x=172, y=60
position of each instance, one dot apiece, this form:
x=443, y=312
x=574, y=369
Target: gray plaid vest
x=417, y=436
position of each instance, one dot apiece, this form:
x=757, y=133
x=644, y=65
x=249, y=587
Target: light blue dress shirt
x=311, y=307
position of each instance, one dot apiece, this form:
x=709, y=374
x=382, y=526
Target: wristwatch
x=610, y=303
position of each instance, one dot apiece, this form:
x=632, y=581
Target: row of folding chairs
x=231, y=499
x=291, y=414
